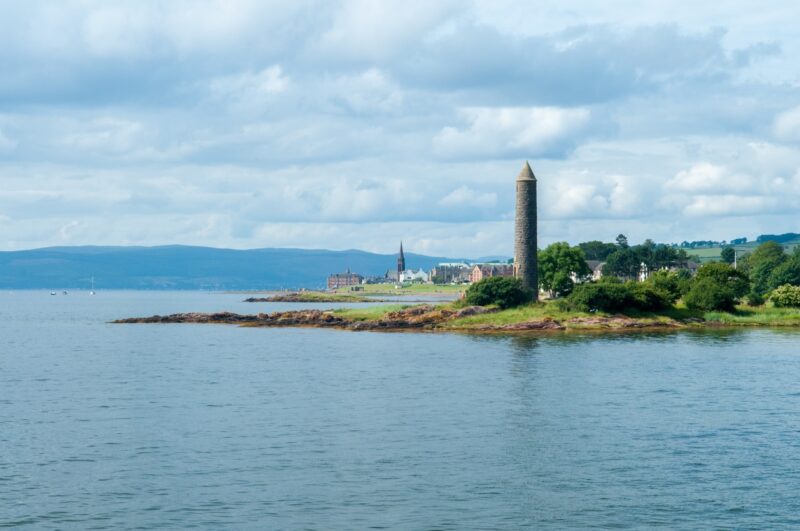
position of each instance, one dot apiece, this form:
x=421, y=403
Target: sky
x=357, y=123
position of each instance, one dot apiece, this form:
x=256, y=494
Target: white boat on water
x=91, y=292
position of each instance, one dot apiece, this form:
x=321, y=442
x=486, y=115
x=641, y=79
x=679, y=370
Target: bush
x=506, y=292
x=648, y=298
x=786, y=296
x=668, y=283
x=709, y=295
x=755, y=299
x=725, y=276
x=617, y=297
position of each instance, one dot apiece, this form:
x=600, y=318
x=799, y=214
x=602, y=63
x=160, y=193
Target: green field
x=708, y=254
x=406, y=289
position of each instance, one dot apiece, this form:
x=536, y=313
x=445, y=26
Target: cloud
x=311, y=123
x=464, y=196
x=513, y=132
x=787, y=125
x=6, y=144
x=706, y=177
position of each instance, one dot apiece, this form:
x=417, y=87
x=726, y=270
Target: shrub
x=668, y=283
x=648, y=298
x=506, y=292
x=605, y=296
x=617, y=297
x=755, y=299
x=786, y=296
x=709, y=295
x=725, y=276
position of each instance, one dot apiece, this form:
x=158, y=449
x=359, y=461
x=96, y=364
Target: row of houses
x=461, y=273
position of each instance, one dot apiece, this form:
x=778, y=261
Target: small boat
x=52, y=293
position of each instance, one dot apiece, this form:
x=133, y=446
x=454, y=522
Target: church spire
x=401, y=261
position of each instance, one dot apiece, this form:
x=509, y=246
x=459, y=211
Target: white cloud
x=6, y=144
x=787, y=125
x=513, y=132
x=464, y=196
x=105, y=134
x=707, y=177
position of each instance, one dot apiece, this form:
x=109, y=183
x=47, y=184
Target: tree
x=708, y=295
x=505, y=292
x=622, y=241
x=557, y=264
x=725, y=276
x=762, y=262
x=786, y=273
x=728, y=255
x=622, y=263
x=668, y=282
x=597, y=250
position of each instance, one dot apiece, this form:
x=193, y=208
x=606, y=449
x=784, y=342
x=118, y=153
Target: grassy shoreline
x=526, y=317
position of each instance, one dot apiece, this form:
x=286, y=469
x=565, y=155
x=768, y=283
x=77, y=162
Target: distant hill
x=789, y=240
x=184, y=267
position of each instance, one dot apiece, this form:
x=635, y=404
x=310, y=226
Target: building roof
x=526, y=174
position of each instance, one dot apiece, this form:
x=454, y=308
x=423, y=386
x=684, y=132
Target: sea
x=185, y=426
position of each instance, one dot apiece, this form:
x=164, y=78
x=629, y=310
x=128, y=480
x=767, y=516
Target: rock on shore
x=424, y=317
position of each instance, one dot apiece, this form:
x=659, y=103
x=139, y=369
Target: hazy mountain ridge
x=188, y=267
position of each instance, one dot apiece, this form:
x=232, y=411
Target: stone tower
x=525, y=259
x=401, y=262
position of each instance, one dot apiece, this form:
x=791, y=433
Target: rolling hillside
x=182, y=267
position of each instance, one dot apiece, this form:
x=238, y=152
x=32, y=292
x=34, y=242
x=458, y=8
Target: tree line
x=769, y=273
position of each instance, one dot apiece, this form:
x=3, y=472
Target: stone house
x=481, y=271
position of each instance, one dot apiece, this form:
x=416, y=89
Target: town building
x=410, y=275
x=481, y=271
x=343, y=280
x=451, y=273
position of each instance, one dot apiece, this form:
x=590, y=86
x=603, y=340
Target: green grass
x=370, y=313
x=707, y=254
x=743, y=316
x=408, y=289
x=321, y=296
x=760, y=316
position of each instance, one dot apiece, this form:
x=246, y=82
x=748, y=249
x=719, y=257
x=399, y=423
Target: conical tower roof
x=526, y=173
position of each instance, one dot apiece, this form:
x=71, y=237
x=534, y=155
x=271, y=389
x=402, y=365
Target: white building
x=409, y=275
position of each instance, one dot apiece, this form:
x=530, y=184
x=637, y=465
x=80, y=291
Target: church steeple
x=401, y=261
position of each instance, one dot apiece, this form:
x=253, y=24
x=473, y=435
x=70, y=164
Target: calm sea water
x=177, y=426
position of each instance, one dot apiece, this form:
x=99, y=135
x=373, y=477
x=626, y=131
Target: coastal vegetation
x=314, y=296
x=762, y=289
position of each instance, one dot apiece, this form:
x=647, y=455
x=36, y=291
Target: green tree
x=786, y=273
x=763, y=262
x=622, y=241
x=709, y=295
x=668, y=282
x=505, y=292
x=725, y=276
x=728, y=255
x=597, y=250
x=622, y=263
x=557, y=263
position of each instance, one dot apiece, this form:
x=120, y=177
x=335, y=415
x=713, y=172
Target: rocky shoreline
x=425, y=317
x=301, y=297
